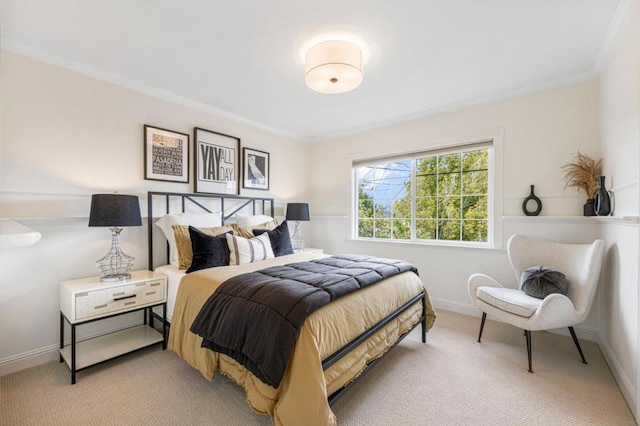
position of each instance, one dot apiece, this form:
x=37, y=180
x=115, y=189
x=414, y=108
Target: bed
x=336, y=344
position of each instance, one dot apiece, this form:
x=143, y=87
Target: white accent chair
x=580, y=263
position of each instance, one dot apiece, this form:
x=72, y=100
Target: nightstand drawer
x=110, y=300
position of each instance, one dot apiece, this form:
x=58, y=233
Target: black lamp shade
x=114, y=210
x=298, y=211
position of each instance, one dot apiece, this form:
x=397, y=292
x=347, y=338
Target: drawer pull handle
x=133, y=302
x=149, y=293
x=155, y=284
x=100, y=306
x=115, y=299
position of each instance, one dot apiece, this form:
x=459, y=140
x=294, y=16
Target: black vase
x=603, y=201
x=532, y=197
x=589, y=207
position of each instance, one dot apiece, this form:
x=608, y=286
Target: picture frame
x=255, y=169
x=217, y=160
x=166, y=155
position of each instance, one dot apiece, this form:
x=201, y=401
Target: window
x=440, y=195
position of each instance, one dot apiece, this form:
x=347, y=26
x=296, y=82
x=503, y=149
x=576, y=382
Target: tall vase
x=603, y=201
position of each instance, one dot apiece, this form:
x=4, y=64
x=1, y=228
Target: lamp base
x=297, y=242
x=115, y=265
x=114, y=278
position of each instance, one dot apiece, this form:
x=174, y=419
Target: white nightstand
x=88, y=299
x=312, y=250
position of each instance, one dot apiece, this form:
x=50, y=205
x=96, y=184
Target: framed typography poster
x=217, y=159
x=166, y=155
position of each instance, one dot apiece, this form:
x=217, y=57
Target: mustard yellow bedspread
x=302, y=395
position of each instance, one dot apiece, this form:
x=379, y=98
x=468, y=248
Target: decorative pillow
x=279, y=237
x=245, y=221
x=183, y=241
x=208, y=251
x=243, y=250
x=196, y=219
x=247, y=232
x=541, y=281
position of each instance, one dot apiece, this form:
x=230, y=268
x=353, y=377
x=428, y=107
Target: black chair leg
x=484, y=317
x=575, y=340
x=527, y=334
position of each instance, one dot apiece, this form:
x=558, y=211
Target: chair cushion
x=540, y=281
x=509, y=300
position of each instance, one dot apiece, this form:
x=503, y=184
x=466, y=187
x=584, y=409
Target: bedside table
x=89, y=299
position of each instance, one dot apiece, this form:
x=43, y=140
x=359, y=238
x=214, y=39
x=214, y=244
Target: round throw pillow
x=541, y=281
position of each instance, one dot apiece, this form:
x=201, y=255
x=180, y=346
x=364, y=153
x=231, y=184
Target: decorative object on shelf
x=297, y=212
x=114, y=211
x=535, y=200
x=602, y=200
x=217, y=160
x=255, y=169
x=589, y=207
x=14, y=234
x=166, y=155
x=333, y=66
x=583, y=174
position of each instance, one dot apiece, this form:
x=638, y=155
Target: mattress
x=174, y=275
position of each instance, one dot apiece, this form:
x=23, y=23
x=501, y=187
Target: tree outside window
x=450, y=201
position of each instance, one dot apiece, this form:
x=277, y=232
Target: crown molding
x=137, y=86
x=496, y=97
x=619, y=23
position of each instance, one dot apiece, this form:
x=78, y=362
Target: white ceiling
x=241, y=58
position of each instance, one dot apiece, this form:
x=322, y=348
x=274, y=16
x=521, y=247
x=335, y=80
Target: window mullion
x=414, y=169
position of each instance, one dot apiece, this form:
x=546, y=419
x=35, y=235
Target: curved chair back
x=581, y=264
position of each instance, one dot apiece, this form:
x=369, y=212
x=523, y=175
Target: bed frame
x=232, y=204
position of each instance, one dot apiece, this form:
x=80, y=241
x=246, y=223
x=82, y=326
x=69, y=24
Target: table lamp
x=297, y=212
x=115, y=211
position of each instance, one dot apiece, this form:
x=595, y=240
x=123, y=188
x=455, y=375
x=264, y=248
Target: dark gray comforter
x=255, y=318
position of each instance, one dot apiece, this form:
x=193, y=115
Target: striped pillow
x=243, y=250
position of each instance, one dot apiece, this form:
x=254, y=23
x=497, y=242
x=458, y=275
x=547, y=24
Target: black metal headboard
x=228, y=204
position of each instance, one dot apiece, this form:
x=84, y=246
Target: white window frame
x=495, y=186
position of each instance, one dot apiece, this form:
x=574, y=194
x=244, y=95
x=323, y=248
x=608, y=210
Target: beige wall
x=66, y=136
x=620, y=117
x=541, y=133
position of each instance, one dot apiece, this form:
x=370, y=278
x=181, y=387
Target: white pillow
x=245, y=221
x=244, y=250
x=194, y=219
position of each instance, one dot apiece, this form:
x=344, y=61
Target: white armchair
x=579, y=262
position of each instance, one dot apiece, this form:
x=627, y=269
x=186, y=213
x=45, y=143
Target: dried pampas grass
x=583, y=173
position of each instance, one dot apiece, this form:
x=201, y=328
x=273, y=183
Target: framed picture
x=255, y=169
x=166, y=155
x=217, y=162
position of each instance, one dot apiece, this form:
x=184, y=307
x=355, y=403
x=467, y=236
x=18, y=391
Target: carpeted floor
x=451, y=380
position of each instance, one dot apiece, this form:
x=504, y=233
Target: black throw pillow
x=279, y=238
x=208, y=251
x=541, y=281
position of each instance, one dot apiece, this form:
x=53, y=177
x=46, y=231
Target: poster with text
x=166, y=155
x=217, y=162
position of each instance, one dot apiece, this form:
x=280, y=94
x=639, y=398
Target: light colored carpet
x=451, y=380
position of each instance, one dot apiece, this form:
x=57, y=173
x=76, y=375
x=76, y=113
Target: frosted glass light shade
x=333, y=67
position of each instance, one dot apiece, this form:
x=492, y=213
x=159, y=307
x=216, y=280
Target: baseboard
x=47, y=354
x=624, y=383
x=584, y=332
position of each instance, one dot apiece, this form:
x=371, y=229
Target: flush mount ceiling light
x=333, y=66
